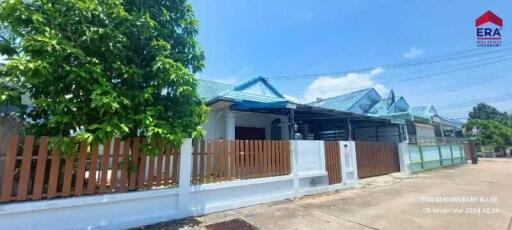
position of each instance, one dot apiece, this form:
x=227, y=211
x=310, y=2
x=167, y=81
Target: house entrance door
x=249, y=133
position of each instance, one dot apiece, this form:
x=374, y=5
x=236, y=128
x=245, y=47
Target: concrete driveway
x=464, y=197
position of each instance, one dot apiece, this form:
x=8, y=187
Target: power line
x=448, y=72
x=458, y=87
x=433, y=60
x=462, y=104
x=490, y=61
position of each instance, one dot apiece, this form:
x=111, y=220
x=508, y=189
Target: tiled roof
x=381, y=108
x=211, y=90
x=419, y=110
x=343, y=102
x=244, y=96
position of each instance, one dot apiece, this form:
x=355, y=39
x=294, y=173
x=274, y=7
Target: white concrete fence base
x=125, y=210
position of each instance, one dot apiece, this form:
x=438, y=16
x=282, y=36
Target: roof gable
x=401, y=105
x=259, y=86
x=244, y=93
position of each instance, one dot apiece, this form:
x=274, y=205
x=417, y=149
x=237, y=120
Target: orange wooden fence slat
x=232, y=159
x=285, y=158
x=151, y=172
x=281, y=157
x=251, y=158
x=246, y=159
x=225, y=160
x=80, y=171
x=54, y=173
x=104, y=166
x=40, y=168
x=68, y=175
x=25, y=168
x=159, y=163
x=220, y=160
x=241, y=159
x=8, y=174
x=141, y=168
x=202, y=154
x=236, y=153
x=175, y=164
x=274, y=158
x=207, y=161
x=123, y=183
x=195, y=149
x=259, y=160
x=115, y=165
x=91, y=183
x=135, y=159
x=167, y=165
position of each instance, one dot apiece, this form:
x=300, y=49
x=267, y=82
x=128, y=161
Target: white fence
x=124, y=210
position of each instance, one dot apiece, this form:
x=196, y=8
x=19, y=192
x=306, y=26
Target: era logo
x=488, y=30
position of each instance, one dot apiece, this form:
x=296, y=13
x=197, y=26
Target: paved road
x=419, y=202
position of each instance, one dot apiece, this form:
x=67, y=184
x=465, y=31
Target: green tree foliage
x=491, y=132
x=486, y=112
x=95, y=69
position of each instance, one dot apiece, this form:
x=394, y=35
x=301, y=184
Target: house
x=256, y=110
x=417, y=121
x=229, y=117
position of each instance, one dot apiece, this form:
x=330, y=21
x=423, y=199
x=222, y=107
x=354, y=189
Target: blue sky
x=245, y=39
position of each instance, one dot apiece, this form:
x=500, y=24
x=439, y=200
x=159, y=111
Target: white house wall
x=216, y=126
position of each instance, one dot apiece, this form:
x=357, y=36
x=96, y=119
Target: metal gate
x=376, y=158
x=332, y=161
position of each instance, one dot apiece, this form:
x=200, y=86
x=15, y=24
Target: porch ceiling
x=307, y=113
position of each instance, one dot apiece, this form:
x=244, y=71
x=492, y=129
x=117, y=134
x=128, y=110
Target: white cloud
x=413, y=52
x=325, y=87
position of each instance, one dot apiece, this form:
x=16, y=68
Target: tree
x=491, y=132
x=486, y=112
x=95, y=69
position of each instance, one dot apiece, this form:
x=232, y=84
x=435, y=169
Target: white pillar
x=404, y=158
x=348, y=162
x=230, y=125
x=184, y=176
x=295, y=170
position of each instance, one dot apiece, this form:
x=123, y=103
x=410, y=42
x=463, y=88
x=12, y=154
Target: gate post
x=404, y=157
x=294, y=168
x=185, y=172
x=348, y=162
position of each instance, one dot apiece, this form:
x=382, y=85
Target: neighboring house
x=369, y=102
x=420, y=121
x=256, y=110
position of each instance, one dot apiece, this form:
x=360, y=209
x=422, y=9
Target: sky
x=295, y=38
